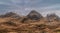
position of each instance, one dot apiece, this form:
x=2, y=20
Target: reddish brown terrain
x=34, y=22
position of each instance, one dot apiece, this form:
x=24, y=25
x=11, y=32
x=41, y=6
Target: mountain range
x=34, y=22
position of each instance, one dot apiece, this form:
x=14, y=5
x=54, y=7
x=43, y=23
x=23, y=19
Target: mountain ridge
x=34, y=22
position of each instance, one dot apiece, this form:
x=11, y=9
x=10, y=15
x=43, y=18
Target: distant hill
x=53, y=17
x=10, y=14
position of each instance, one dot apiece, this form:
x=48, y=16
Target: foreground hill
x=34, y=22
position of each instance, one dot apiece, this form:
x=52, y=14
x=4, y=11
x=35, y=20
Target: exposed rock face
x=33, y=15
x=10, y=14
x=52, y=17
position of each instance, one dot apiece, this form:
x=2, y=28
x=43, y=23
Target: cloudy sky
x=23, y=7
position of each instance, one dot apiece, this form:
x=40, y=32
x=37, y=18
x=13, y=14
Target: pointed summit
x=34, y=12
x=34, y=15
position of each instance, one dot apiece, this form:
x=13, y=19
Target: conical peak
x=34, y=15
x=33, y=11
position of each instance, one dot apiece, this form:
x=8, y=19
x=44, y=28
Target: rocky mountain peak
x=34, y=15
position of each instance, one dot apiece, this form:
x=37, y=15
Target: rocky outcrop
x=51, y=17
x=34, y=15
x=10, y=14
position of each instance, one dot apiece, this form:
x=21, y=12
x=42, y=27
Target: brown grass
x=29, y=27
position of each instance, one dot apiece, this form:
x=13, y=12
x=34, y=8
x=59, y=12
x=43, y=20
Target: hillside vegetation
x=34, y=22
